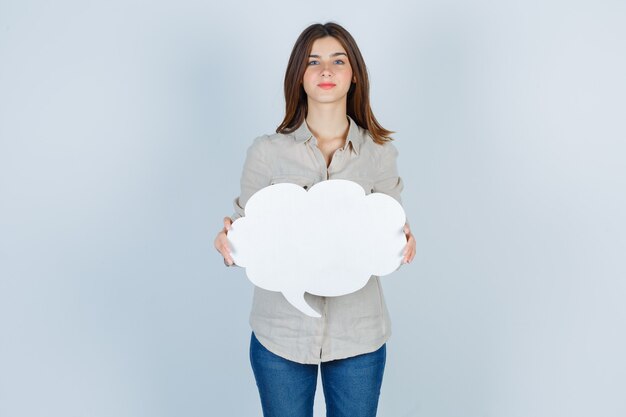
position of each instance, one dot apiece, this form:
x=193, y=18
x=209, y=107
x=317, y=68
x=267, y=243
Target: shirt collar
x=302, y=134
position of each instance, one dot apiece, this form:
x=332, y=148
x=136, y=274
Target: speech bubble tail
x=297, y=300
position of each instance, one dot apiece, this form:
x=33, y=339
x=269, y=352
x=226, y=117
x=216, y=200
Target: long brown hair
x=358, y=100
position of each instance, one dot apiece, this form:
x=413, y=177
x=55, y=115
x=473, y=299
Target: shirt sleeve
x=388, y=181
x=256, y=175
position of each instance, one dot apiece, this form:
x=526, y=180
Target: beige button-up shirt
x=351, y=324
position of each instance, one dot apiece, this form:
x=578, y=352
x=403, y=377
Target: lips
x=326, y=86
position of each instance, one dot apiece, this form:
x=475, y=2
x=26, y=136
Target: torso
x=328, y=148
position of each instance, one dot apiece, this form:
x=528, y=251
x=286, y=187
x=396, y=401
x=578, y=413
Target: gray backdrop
x=123, y=130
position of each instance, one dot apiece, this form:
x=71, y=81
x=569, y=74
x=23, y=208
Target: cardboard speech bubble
x=326, y=241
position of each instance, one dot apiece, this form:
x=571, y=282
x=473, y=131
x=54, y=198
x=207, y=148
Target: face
x=328, y=73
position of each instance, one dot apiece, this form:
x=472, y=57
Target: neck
x=328, y=121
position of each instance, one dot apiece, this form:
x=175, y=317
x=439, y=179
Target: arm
x=256, y=175
x=389, y=182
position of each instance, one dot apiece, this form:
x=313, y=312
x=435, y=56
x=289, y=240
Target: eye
x=340, y=60
x=310, y=62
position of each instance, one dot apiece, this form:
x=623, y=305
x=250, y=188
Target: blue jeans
x=287, y=388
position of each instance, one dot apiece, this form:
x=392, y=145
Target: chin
x=328, y=98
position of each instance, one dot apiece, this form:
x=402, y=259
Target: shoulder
x=259, y=141
x=268, y=140
x=381, y=150
x=260, y=144
x=389, y=149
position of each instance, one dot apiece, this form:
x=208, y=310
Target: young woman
x=328, y=132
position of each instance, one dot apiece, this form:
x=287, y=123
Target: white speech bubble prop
x=327, y=241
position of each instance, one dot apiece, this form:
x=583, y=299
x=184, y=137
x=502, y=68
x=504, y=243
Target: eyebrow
x=335, y=54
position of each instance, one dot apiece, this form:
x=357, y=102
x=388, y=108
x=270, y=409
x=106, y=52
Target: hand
x=221, y=242
x=409, y=249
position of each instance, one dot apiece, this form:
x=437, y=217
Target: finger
x=225, y=255
x=218, y=242
x=410, y=253
x=224, y=250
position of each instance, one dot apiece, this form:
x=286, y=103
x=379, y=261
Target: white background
x=123, y=130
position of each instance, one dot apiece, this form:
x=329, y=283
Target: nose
x=326, y=69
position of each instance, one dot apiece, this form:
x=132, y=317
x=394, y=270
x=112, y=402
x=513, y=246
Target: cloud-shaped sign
x=326, y=241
